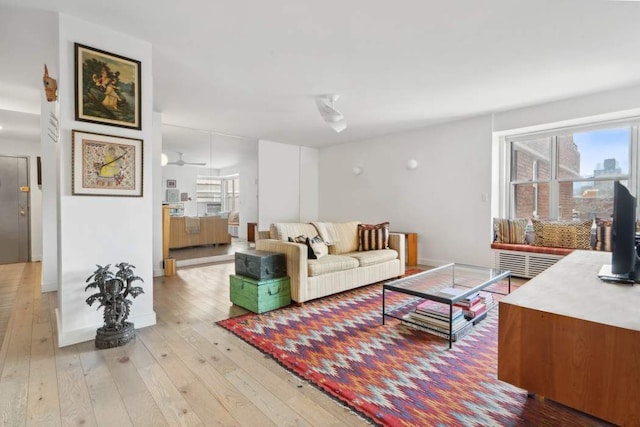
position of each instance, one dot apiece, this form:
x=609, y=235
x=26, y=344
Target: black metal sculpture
x=112, y=295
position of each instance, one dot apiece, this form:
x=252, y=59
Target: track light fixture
x=333, y=117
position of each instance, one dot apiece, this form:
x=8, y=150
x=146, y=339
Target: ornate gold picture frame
x=107, y=88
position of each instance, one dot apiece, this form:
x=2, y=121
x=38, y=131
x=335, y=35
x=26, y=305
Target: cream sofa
x=342, y=269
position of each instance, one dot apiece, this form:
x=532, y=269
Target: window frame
x=507, y=185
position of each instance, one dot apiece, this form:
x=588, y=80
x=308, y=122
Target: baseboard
x=76, y=336
x=205, y=260
x=48, y=287
x=158, y=273
x=432, y=262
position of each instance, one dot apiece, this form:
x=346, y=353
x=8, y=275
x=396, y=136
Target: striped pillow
x=372, y=237
x=510, y=230
x=603, y=235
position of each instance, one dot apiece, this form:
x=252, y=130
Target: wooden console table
x=568, y=336
x=411, y=247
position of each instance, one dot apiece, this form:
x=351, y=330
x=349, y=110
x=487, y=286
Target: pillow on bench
x=510, y=230
x=603, y=235
x=559, y=234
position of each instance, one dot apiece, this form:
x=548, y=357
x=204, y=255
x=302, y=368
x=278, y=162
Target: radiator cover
x=524, y=264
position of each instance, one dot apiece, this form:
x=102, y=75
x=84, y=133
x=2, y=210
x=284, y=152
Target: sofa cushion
x=330, y=264
x=372, y=257
x=284, y=230
x=346, y=237
x=373, y=236
x=558, y=234
x=510, y=230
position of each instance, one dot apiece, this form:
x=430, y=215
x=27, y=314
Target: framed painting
x=104, y=165
x=107, y=88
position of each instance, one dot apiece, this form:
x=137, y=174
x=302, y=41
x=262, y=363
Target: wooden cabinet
x=574, y=339
x=411, y=247
x=212, y=230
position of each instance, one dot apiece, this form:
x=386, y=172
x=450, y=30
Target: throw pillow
x=559, y=234
x=510, y=230
x=318, y=247
x=303, y=240
x=373, y=236
x=603, y=235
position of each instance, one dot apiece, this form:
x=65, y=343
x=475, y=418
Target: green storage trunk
x=260, y=295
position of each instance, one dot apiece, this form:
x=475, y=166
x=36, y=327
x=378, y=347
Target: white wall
x=248, y=172
x=185, y=177
x=573, y=111
x=278, y=183
x=101, y=230
x=288, y=183
x=309, y=184
x=32, y=150
x=444, y=200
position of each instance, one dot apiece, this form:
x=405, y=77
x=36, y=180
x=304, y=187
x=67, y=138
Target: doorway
x=14, y=209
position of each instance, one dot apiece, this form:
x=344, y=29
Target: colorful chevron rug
x=394, y=375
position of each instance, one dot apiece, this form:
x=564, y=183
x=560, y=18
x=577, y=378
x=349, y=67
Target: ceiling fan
x=333, y=117
x=181, y=162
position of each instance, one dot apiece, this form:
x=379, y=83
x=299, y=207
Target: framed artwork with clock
x=105, y=165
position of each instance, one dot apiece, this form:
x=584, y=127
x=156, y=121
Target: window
x=232, y=194
x=220, y=193
x=569, y=174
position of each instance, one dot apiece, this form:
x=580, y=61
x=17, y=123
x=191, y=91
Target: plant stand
x=109, y=338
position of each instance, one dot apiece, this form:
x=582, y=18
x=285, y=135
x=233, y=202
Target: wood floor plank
x=233, y=401
x=175, y=408
x=75, y=400
x=107, y=402
x=195, y=392
x=43, y=406
x=141, y=406
x=14, y=381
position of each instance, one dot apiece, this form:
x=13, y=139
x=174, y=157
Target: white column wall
x=101, y=230
x=156, y=187
x=50, y=196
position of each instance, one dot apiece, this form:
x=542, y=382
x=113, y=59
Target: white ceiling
x=251, y=68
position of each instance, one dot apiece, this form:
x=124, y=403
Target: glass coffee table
x=449, y=289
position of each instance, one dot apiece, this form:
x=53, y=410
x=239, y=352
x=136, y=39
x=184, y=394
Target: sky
x=590, y=145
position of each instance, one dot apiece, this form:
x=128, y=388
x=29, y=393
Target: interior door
x=14, y=210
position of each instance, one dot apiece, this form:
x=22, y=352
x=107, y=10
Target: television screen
x=623, y=257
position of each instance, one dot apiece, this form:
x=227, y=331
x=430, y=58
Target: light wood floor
x=185, y=370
